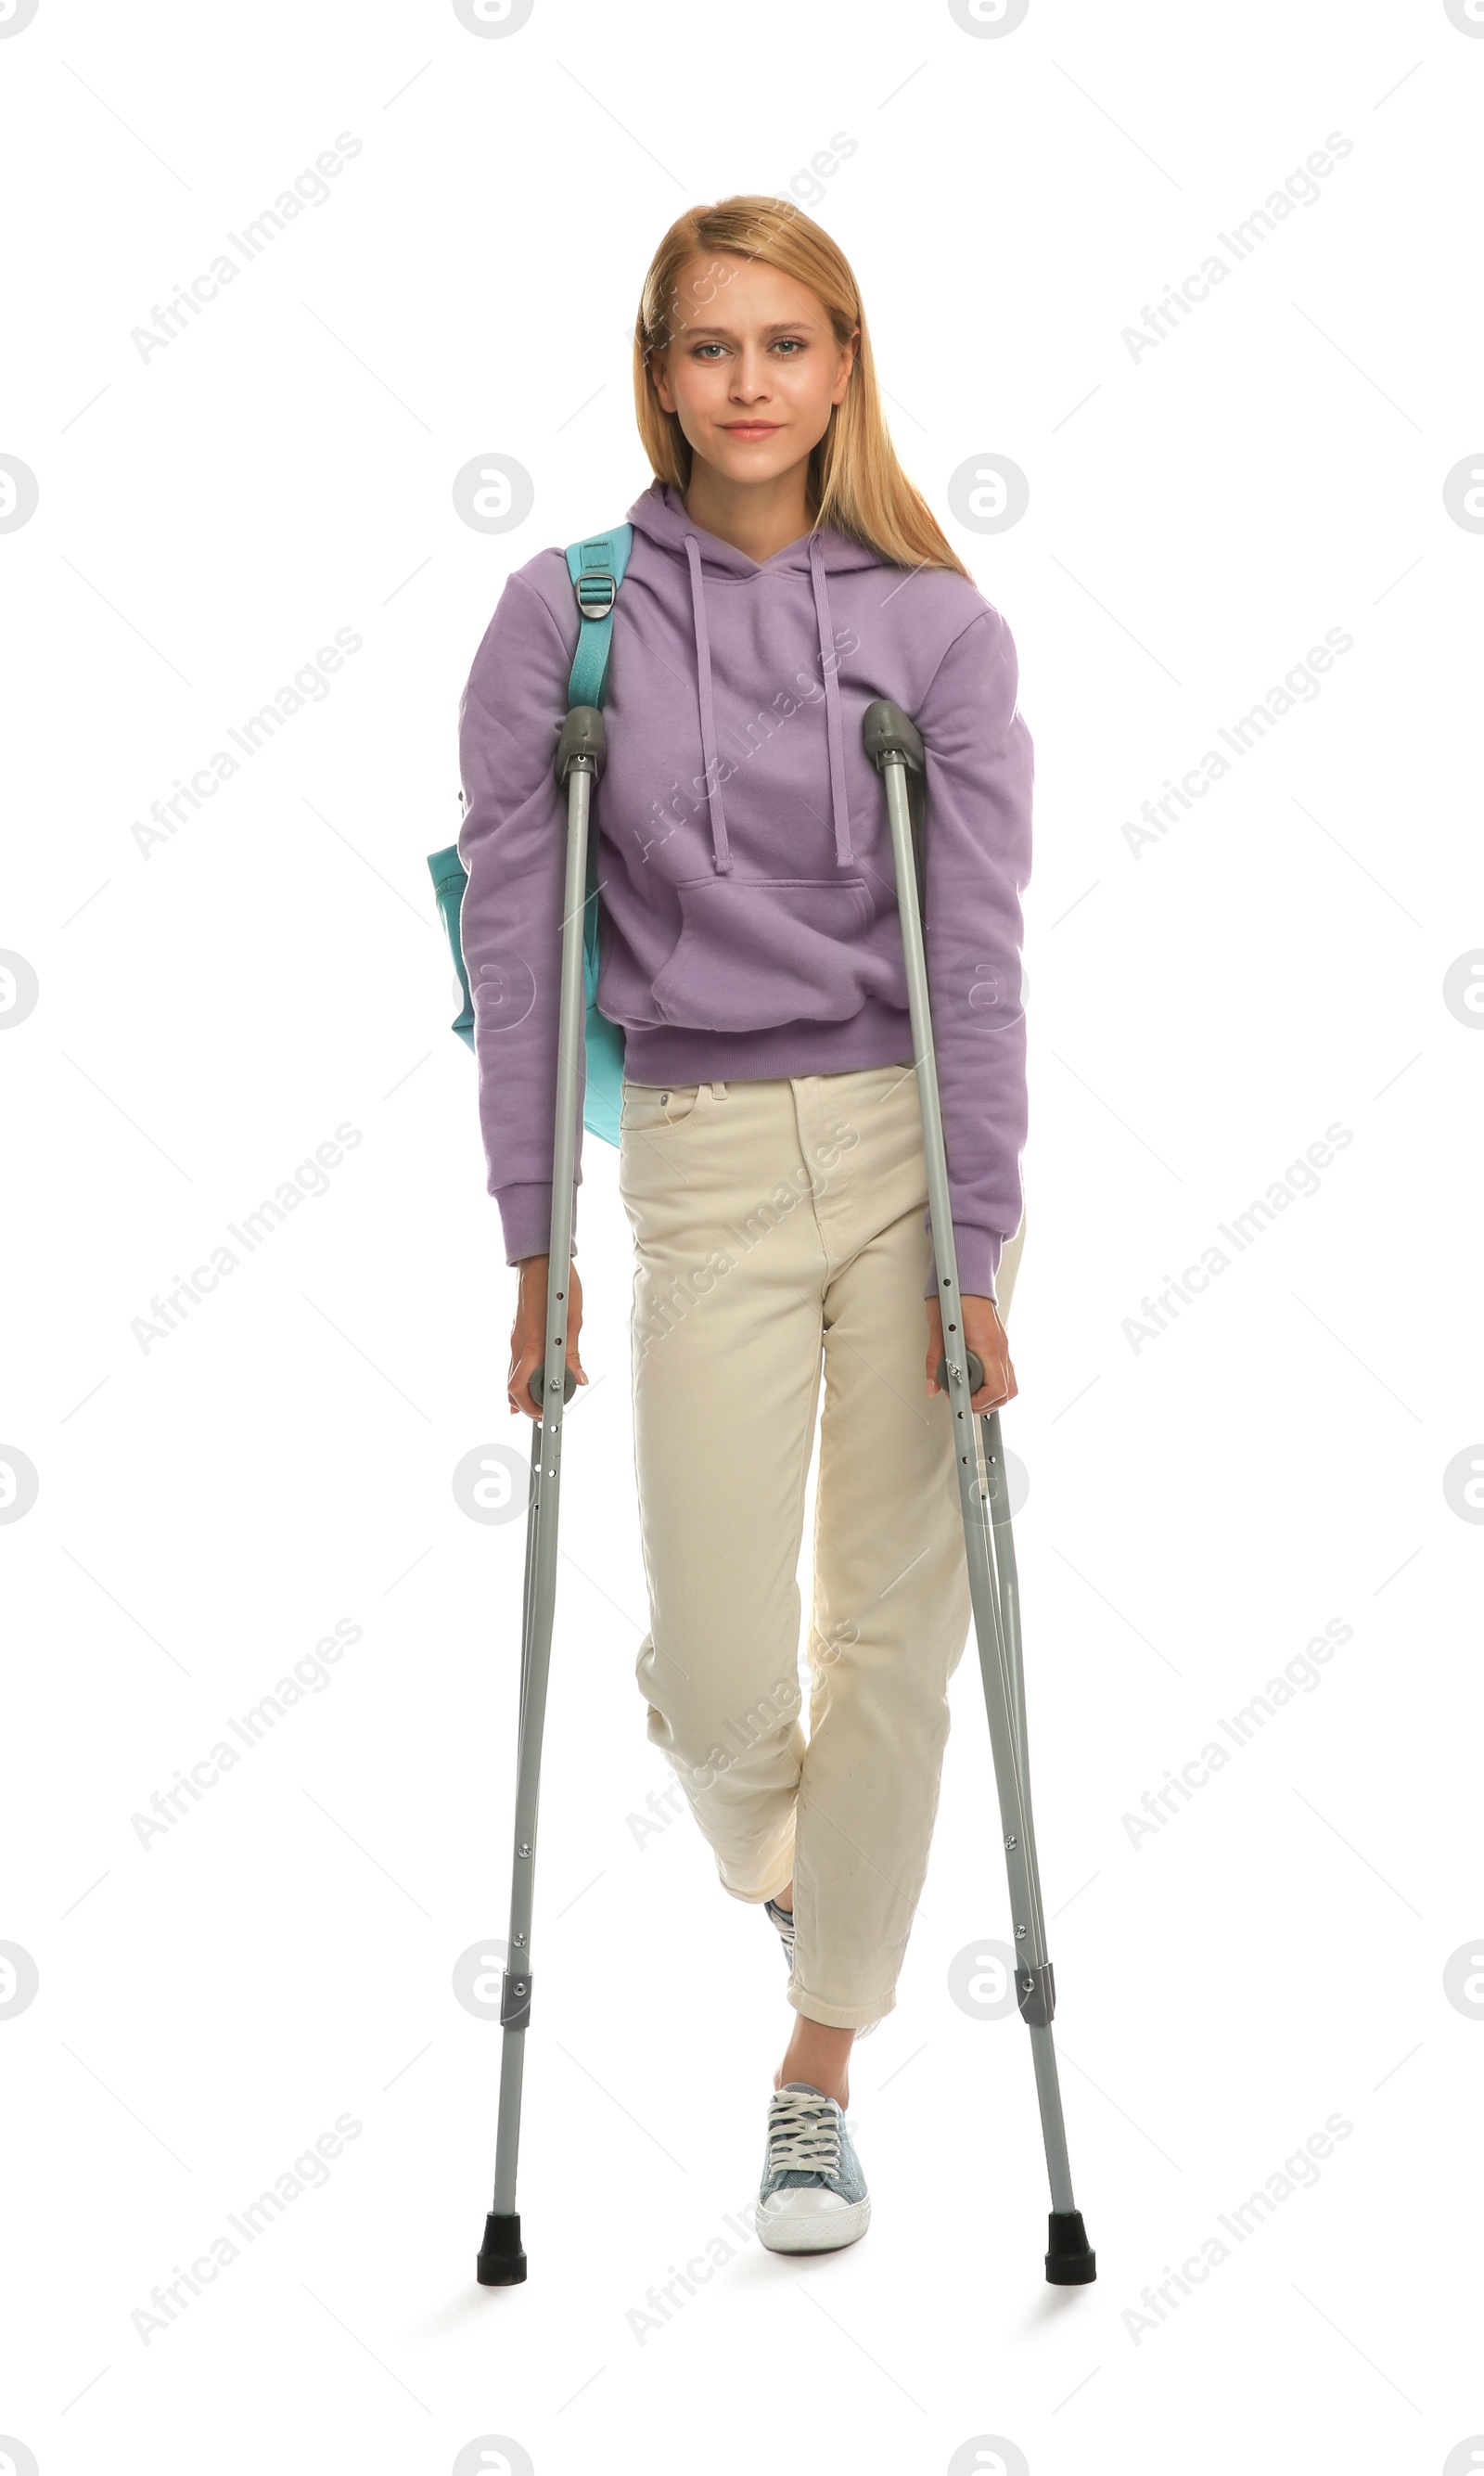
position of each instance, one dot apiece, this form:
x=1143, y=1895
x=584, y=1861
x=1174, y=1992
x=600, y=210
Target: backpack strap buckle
x=597, y=591
x=596, y=567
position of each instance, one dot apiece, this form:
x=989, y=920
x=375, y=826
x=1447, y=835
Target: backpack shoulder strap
x=596, y=567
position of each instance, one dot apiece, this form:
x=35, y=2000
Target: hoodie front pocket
x=755, y=952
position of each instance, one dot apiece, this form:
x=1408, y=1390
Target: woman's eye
x=791, y=346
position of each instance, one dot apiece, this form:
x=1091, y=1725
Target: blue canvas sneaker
x=813, y=2197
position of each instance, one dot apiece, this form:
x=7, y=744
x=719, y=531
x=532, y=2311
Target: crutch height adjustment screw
x=524, y=1850
x=515, y=2001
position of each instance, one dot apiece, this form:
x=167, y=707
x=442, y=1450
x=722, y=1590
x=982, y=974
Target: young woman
x=785, y=573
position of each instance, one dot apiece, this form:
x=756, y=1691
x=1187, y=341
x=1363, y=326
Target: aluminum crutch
x=894, y=746
x=580, y=755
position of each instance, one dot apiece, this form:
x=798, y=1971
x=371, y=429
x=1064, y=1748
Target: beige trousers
x=778, y=1234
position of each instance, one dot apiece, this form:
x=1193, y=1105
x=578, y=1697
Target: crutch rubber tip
x=1069, y=2261
x=502, y=2262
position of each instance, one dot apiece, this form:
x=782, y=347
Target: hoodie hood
x=659, y=515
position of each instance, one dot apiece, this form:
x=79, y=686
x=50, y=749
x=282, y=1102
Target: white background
x=1199, y=1506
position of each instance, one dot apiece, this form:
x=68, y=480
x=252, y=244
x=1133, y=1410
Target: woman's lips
x=751, y=429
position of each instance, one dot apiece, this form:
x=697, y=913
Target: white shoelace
x=802, y=2132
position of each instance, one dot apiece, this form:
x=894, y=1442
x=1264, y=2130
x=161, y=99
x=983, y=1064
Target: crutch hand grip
x=538, y=1384
x=975, y=1371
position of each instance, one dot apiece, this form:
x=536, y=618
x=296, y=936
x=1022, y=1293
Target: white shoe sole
x=820, y=2231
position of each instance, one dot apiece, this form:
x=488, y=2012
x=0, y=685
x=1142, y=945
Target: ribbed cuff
x=979, y=1252
x=525, y=1219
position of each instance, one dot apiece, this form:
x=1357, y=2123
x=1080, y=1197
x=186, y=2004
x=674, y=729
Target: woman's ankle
x=834, y=2085
x=820, y=2055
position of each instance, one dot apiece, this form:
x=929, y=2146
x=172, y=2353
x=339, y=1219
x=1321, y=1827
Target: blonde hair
x=854, y=480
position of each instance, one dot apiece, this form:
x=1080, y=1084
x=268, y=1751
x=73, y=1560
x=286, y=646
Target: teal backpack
x=596, y=567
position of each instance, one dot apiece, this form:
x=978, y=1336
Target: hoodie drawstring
x=830, y=664
x=721, y=855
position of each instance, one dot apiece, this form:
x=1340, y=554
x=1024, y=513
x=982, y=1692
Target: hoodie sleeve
x=977, y=860
x=512, y=844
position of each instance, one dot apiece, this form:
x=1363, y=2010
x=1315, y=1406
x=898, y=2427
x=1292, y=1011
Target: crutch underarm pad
x=582, y=735
x=888, y=731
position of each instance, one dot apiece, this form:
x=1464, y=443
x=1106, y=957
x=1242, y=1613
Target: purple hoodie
x=749, y=920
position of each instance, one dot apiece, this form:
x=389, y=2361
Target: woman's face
x=751, y=367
